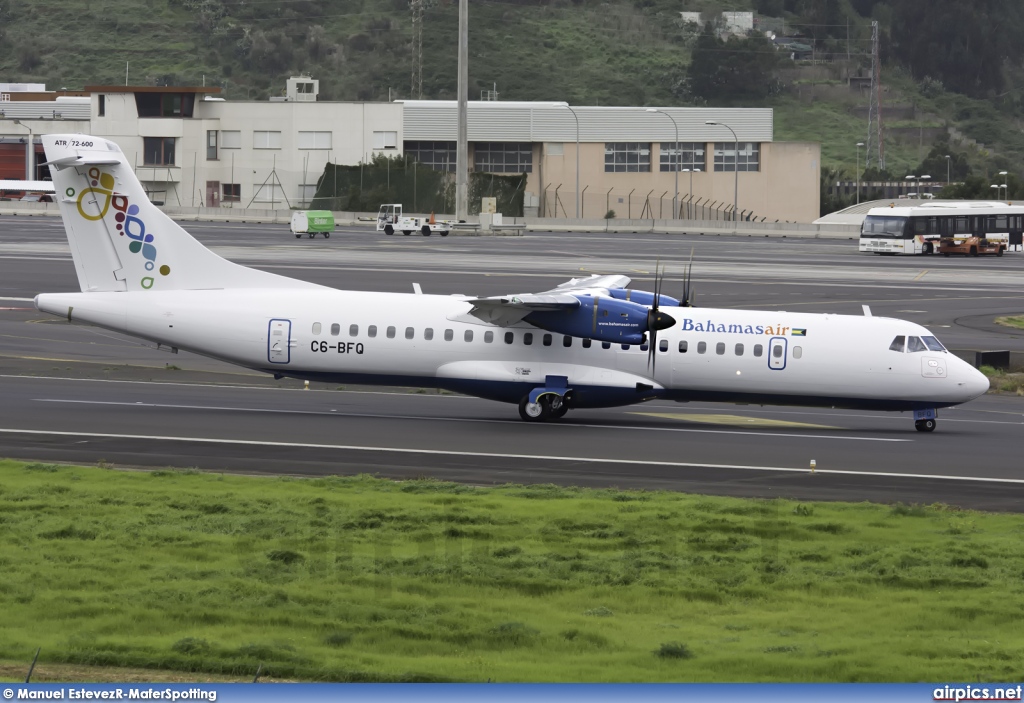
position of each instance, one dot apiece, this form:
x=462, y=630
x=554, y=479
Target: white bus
x=917, y=230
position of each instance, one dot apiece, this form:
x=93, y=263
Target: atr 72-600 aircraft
x=588, y=343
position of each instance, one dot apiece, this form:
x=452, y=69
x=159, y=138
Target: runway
x=75, y=393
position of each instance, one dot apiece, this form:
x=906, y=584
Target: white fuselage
x=343, y=336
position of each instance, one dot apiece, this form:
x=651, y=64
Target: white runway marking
x=465, y=419
x=490, y=455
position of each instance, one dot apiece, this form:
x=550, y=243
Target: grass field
x=366, y=579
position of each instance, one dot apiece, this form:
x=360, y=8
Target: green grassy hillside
x=583, y=51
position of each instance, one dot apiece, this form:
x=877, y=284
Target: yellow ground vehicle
x=972, y=246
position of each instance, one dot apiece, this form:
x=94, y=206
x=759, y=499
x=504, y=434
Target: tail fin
x=122, y=242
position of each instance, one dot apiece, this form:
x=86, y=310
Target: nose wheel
x=925, y=425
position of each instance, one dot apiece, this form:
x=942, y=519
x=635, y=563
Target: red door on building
x=213, y=194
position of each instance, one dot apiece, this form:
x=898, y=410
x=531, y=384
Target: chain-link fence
x=365, y=187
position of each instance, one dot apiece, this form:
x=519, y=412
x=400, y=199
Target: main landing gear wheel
x=924, y=425
x=389, y=230
x=534, y=412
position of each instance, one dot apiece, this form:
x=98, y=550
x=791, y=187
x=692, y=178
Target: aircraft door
x=279, y=337
x=777, y=348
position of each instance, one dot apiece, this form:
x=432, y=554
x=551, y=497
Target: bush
x=610, y=215
x=673, y=650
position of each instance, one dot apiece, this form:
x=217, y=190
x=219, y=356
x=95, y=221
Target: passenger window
x=720, y=348
x=625, y=347
x=410, y=333
x=566, y=341
x=468, y=336
x=510, y=337
x=606, y=345
x=898, y=344
x=702, y=347
x=528, y=338
x=335, y=329
x=644, y=347
x=316, y=328
x=758, y=350
x=933, y=344
x=547, y=340
x=371, y=331
x=739, y=350
x=449, y=335
x=488, y=337
x=798, y=352
x=683, y=346
x=914, y=344
x=353, y=330
x=586, y=344
x=428, y=333
x=391, y=332
x=663, y=345
x=777, y=351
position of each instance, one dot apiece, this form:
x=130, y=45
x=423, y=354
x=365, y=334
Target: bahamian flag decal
x=799, y=332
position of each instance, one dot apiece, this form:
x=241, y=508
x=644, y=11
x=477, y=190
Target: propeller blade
x=656, y=320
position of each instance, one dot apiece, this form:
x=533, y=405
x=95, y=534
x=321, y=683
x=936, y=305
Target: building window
x=439, y=156
x=231, y=139
x=315, y=140
x=165, y=104
x=268, y=193
x=503, y=157
x=232, y=192
x=385, y=140
x=726, y=159
x=158, y=151
x=266, y=140
x=211, y=145
x=103, y=105
x=690, y=156
x=627, y=157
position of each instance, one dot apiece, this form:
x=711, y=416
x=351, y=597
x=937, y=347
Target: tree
x=738, y=68
x=934, y=164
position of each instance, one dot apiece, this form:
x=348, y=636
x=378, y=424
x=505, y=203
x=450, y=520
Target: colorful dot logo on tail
x=102, y=188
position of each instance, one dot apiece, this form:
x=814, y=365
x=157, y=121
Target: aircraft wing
x=504, y=310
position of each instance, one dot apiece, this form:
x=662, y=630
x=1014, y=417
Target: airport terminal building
x=193, y=149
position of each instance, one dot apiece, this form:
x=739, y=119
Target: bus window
x=933, y=344
x=884, y=227
x=914, y=344
x=898, y=344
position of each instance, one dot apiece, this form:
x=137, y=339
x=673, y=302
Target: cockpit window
x=914, y=344
x=933, y=344
x=898, y=344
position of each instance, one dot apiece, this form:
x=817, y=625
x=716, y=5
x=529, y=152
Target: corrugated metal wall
x=545, y=122
x=44, y=110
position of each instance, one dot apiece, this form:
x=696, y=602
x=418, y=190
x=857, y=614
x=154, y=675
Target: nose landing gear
x=924, y=420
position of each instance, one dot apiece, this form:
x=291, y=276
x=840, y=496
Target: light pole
x=736, y=165
x=947, y=169
x=675, y=162
x=859, y=145
x=922, y=185
x=1006, y=192
x=911, y=179
x=30, y=152
x=575, y=117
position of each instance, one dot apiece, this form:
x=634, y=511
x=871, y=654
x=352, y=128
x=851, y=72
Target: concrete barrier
x=515, y=225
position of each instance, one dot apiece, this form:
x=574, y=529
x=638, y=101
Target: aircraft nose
x=973, y=382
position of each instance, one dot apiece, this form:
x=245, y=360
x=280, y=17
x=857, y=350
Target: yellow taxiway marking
x=736, y=420
x=921, y=275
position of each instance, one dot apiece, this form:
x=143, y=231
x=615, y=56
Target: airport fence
x=557, y=201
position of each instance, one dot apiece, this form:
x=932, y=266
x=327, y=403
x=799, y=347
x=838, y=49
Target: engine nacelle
x=643, y=297
x=603, y=319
